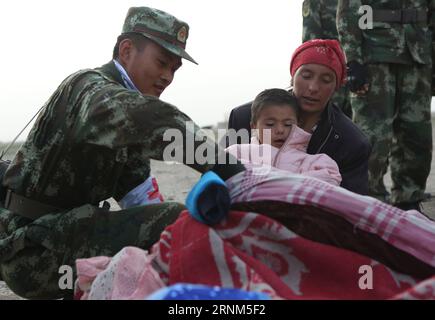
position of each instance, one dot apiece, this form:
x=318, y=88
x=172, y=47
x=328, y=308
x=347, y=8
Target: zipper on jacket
x=282, y=147
x=276, y=158
x=324, y=142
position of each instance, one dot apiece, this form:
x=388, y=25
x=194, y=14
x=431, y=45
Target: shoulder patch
x=182, y=34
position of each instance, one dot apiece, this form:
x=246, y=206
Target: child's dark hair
x=273, y=97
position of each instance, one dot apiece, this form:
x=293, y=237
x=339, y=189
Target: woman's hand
x=357, y=75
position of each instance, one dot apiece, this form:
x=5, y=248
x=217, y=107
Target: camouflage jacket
x=319, y=18
x=93, y=141
x=385, y=42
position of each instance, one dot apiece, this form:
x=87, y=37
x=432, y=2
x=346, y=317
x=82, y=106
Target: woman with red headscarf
x=318, y=69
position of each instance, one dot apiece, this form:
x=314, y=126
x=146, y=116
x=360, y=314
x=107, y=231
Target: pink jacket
x=292, y=156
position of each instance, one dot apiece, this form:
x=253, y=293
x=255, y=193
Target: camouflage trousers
x=342, y=99
x=32, y=252
x=396, y=117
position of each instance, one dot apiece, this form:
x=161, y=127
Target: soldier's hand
x=357, y=77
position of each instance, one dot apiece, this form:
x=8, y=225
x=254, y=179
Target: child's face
x=279, y=120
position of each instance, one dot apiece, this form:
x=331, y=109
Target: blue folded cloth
x=145, y=193
x=185, y=291
x=209, y=200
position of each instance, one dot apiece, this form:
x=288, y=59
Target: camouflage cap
x=161, y=27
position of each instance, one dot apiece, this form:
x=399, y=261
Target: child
x=279, y=142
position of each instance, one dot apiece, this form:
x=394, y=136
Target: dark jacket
x=337, y=136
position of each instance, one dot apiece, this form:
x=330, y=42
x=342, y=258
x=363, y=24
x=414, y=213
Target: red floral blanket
x=253, y=252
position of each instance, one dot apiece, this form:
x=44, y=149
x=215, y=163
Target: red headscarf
x=324, y=52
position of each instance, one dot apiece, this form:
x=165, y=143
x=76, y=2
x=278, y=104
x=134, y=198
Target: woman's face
x=314, y=85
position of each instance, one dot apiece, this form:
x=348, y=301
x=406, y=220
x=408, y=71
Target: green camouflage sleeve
x=350, y=35
x=432, y=18
x=312, y=26
x=432, y=27
x=118, y=118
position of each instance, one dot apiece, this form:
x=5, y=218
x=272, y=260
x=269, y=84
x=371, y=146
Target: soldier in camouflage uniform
x=390, y=75
x=93, y=141
x=319, y=22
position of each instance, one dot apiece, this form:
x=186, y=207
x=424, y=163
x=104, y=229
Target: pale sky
x=242, y=47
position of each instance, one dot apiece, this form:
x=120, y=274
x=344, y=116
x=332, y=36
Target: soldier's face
x=314, y=85
x=152, y=69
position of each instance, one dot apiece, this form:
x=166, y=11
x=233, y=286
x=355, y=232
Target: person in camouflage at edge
x=390, y=75
x=93, y=141
x=319, y=22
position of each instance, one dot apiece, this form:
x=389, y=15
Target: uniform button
x=336, y=136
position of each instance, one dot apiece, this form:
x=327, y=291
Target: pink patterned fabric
x=129, y=275
x=408, y=231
